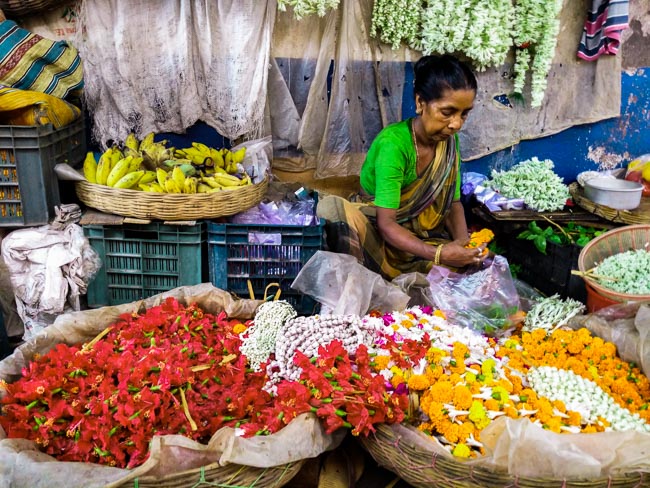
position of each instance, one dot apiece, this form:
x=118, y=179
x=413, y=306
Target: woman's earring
x=418, y=111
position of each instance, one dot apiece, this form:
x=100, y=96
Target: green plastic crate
x=263, y=254
x=139, y=261
x=29, y=189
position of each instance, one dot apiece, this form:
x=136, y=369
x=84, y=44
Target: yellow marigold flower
x=501, y=395
x=462, y=451
x=434, y=355
x=239, y=328
x=440, y=313
x=441, y=391
x=478, y=415
x=590, y=429
x=470, y=377
x=418, y=382
x=395, y=327
x=462, y=397
x=407, y=324
x=381, y=362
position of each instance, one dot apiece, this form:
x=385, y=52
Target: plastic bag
x=639, y=171
x=486, y=301
x=300, y=212
x=258, y=157
x=343, y=286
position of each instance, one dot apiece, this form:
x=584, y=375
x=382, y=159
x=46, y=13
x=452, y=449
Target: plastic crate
x=263, y=254
x=29, y=189
x=550, y=273
x=139, y=261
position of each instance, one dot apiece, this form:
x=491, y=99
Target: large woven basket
x=170, y=206
x=615, y=241
x=228, y=476
x=640, y=215
x=22, y=8
x=423, y=468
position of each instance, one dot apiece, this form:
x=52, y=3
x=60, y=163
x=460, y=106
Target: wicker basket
x=170, y=206
x=640, y=215
x=230, y=475
x=615, y=241
x=424, y=468
x=22, y=8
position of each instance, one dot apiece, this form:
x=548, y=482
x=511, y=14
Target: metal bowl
x=614, y=193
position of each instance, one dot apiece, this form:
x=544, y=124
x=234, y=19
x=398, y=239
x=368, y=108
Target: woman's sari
x=424, y=204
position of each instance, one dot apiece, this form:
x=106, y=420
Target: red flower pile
x=178, y=370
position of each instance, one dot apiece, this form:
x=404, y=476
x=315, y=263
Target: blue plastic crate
x=263, y=254
x=139, y=261
x=29, y=189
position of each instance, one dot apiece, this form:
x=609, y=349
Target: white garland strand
x=489, y=36
x=535, y=35
x=397, y=21
x=585, y=397
x=259, y=340
x=302, y=8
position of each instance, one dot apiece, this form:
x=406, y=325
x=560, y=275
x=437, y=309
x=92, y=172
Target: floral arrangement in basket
x=177, y=369
x=562, y=380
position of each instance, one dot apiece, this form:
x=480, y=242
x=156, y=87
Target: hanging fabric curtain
x=162, y=66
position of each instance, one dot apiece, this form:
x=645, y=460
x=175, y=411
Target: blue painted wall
x=629, y=133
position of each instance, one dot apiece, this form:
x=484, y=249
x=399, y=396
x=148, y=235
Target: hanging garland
x=302, y=8
x=397, y=21
x=535, y=36
x=482, y=30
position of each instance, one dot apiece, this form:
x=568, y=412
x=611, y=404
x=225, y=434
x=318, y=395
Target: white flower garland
x=585, y=397
x=535, y=36
x=394, y=21
x=444, y=24
x=302, y=8
x=489, y=36
x=259, y=341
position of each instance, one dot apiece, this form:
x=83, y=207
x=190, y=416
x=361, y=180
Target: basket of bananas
x=149, y=180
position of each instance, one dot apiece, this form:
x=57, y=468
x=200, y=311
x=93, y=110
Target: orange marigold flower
x=491, y=404
x=441, y=391
x=418, y=382
x=553, y=424
x=434, y=372
x=381, y=362
x=574, y=418
x=396, y=380
x=559, y=404
x=462, y=397
x=239, y=328
x=589, y=429
x=511, y=412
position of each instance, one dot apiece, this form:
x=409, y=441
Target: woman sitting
x=411, y=216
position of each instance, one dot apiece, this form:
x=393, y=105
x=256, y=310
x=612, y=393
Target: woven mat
x=640, y=215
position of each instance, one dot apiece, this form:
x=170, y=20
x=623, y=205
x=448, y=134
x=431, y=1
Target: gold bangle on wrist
x=436, y=260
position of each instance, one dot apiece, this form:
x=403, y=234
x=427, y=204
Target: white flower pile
x=630, y=271
x=259, y=340
x=551, y=313
x=302, y=8
x=585, y=397
x=535, y=34
x=307, y=334
x=535, y=182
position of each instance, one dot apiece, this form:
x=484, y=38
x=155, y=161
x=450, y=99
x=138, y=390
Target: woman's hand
x=457, y=255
